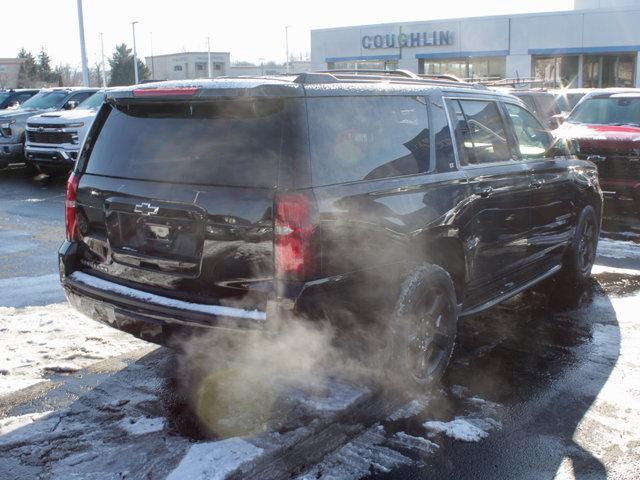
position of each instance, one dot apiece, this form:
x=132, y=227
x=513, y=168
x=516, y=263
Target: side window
x=23, y=97
x=78, y=97
x=480, y=132
x=366, y=138
x=533, y=139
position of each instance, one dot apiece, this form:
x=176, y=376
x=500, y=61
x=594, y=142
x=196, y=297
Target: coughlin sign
x=416, y=39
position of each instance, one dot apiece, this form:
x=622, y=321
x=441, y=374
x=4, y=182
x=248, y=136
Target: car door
x=551, y=188
x=497, y=221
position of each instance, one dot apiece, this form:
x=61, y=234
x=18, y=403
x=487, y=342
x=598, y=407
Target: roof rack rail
x=387, y=76
x=356, y=71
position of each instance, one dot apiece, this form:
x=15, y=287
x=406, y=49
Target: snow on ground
x=37, y=341
x=619, y=249
x=214, y=460
x=10, y=424
x=464, y=429
x=142, y=425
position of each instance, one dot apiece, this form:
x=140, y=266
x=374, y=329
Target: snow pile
x=214, y=460
x=411, y=442
x=463, y=429
x=141, y=425
x=10, y=424
x=36, y=341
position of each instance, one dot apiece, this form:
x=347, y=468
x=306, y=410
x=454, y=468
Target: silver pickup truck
x=54, y=139
x=13, y=122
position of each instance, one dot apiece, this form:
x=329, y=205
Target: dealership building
x=597, y=44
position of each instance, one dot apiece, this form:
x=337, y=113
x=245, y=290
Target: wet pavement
x=544, y=386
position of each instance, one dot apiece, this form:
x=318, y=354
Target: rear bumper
x=153, y=317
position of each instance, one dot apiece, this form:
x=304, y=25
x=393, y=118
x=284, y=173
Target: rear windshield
x=223, y=142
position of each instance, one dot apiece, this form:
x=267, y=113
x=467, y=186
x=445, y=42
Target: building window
x=557, y=71
x=177, y=68
x=602, y=71
x=201, y=67
x=217, y=66
x=472, y=68
x=364, y=65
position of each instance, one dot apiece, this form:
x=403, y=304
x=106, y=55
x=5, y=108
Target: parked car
x=605, y=124
x=13, y=122
x=541, y=103
x=54, y=138
x=384, y=200
x=568, y=98
x=13, y=98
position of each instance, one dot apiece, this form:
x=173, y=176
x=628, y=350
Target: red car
x=605, y=127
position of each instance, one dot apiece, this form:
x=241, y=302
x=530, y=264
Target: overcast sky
x=249, y=29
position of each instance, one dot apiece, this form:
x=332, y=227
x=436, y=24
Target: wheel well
x=448, y=254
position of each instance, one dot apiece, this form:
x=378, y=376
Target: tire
x=581, y=253
x=424, y=327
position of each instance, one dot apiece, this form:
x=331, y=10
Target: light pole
x=83, y=49
x=135, y=54
x=209, y=57
x=153, y=66
x=104, y=72
x=286, y=39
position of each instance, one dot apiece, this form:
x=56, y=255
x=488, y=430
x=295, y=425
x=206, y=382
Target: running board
x=511, y=293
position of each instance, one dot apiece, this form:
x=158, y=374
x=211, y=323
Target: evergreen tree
x=121, y=63
x=28, y=74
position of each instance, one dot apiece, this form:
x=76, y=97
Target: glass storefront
x=612, y=70
x=557, y=71
x=364, y=65
x=472, y=68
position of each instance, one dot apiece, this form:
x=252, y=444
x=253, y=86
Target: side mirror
x=70, y=105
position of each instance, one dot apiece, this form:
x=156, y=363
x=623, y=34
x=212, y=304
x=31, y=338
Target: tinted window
x=365, y=138
x=480, y=132
x=225, y=142
x=533, y=139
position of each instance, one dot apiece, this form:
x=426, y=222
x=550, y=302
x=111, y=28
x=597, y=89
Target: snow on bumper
x=147, y=315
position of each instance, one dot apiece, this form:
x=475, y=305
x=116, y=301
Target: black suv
x=381, y=199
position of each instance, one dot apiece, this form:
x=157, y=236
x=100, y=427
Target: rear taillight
x=70, y=208
x=294, y=228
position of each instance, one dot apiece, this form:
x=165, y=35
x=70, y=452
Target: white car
x=54, y=139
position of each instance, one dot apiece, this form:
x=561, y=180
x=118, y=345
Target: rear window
x=366, y=138
x=223, y=142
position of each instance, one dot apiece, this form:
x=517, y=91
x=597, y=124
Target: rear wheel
x=581, y=254
x=424, y=327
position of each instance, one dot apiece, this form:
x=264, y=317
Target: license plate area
x=169, y=240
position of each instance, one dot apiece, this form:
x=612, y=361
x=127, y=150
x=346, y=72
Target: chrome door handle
x=483, y=190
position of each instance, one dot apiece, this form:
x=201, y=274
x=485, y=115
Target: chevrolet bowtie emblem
x=146, y=209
